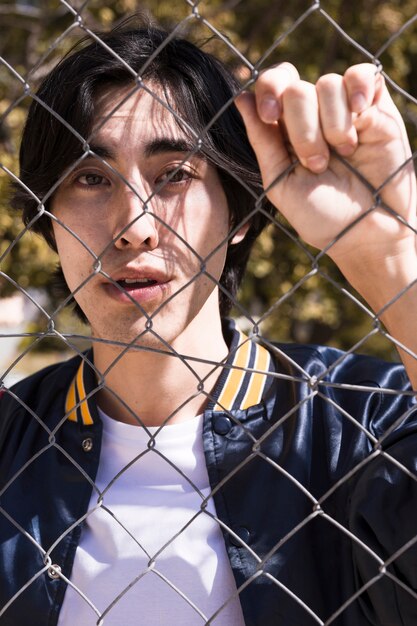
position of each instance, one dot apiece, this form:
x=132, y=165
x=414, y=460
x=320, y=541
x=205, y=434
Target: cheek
x=70, y=268
x=212, y=219
x=75, y=240
x=75, y=261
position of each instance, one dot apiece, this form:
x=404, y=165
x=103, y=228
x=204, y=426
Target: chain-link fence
x=290, y=498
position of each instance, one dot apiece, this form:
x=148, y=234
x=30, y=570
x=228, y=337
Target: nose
x=135, y=226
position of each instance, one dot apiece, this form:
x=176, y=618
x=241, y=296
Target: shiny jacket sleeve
x=383, y=519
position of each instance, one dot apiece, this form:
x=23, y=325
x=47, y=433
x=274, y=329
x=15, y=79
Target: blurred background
x=318, y=37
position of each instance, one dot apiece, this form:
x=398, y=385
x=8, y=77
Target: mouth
x=131, y=284
x=139, y=289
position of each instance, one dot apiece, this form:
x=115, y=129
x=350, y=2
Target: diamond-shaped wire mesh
x=290, y=498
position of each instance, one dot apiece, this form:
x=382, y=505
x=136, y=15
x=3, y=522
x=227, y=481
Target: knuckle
x=328, y=82
x=290, y=69
x=275, y=78
x=267, y=81
x=357, y=74
x=265, y=76
x=358, y=68
x=299, y=89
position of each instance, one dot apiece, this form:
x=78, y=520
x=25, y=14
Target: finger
x=302, y=121
x=380, y=117
x=266, y=140
x=383, y=121
x=269, y=88
x=336, y=118
x=363, y=85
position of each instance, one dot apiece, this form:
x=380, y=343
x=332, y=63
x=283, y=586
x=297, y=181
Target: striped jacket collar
x=245, y=376
x=243, y=382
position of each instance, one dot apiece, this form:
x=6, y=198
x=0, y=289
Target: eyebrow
x=152, y=148
x=164, y=144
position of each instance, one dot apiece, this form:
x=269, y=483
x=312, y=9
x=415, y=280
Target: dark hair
x=199, y=86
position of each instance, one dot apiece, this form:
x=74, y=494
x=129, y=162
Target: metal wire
x=320, y=386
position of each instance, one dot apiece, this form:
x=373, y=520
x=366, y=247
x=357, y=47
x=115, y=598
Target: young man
x=180, y=472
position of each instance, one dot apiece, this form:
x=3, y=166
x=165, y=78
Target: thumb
x=266, y=139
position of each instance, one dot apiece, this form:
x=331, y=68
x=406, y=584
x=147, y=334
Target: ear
x=240, y=234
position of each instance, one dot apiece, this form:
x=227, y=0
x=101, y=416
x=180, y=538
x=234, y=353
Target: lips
x=140, y=285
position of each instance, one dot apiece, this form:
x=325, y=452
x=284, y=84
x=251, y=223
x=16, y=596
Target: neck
x=156, y=386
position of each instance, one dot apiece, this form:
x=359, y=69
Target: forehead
x=122, y=113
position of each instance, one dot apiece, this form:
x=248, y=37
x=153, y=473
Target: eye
x=174, y=176
x=92, y=179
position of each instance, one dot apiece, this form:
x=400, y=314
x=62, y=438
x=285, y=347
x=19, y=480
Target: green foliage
x=315, y=312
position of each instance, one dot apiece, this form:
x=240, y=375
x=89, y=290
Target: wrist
x=381, y=278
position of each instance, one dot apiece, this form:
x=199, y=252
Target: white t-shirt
x=150, y=555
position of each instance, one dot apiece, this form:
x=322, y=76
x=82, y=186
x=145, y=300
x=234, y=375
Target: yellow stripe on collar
x=247, y=376
x=235, y=376
x=258, y=378
x=249, y=367
x=70, y=403
x=86, y=418
x=80, y=413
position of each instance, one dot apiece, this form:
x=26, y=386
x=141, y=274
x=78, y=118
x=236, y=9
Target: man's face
x=153, y=257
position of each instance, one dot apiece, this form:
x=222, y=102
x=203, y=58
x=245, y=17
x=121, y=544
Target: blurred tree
x=317, y=37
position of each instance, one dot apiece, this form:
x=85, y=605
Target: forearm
x=389, y=286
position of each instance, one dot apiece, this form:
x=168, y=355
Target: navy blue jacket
x=312, y=462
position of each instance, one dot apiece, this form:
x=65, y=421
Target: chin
x=121, y=336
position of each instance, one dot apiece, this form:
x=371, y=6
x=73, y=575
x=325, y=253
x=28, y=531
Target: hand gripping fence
x=388, y=566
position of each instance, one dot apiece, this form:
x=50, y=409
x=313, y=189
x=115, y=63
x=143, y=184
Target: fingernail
x=358, y=102
x=269, y=109
x=317, y=163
